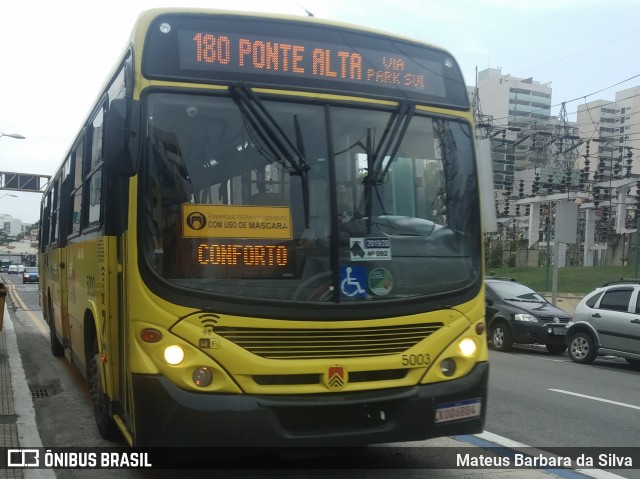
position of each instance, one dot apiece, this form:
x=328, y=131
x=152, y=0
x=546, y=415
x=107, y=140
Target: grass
x=571, y=279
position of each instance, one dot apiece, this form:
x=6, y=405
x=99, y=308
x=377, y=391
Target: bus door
x=56, y=267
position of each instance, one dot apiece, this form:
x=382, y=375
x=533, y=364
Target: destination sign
x=300, y=54
x=280, y=56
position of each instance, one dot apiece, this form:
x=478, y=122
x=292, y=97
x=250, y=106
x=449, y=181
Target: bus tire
x=56, y=346
x=104, y=422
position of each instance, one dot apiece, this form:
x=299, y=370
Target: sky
x=55, y=56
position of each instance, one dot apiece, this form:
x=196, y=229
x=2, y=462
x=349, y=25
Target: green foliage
x=493, y=250
x=571, y=279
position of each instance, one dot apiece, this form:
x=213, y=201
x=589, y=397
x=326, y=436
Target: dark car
x=517, y=314
x=30, y=275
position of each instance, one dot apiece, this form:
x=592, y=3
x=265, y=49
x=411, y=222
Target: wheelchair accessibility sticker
x=353, y=281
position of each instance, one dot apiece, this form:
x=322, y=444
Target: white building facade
x=515, y=105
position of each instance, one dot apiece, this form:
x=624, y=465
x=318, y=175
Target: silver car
x=607, y=322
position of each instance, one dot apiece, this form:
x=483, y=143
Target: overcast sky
x=55, y=55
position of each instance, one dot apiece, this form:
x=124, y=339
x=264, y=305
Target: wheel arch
x=583, y=327
x=496, y=320
x=46, y=297
x=90, y=334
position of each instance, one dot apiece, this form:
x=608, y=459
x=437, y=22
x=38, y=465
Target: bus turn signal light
x=150, y=335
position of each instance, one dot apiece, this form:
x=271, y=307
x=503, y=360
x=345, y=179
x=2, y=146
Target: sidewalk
x=8, y=416
x=17, y=416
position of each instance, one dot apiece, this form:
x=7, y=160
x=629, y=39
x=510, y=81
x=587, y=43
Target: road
x=535, y=399
x=546, y=400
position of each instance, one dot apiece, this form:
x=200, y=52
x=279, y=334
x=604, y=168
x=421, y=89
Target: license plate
x=452, y=411
x=560, y=331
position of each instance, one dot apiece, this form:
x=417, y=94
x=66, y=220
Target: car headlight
x=529, y=318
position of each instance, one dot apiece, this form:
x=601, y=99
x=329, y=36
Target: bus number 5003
x=416, y=359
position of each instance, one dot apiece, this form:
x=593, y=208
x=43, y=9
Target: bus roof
x=146, y=17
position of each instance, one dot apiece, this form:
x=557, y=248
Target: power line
x=577, y=98
x=583, y=50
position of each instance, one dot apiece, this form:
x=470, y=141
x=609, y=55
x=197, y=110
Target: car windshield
x=511, y=291
x=269, y=199
x=31, y=270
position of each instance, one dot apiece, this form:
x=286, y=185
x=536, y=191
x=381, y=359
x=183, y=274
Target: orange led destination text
x=291, y=58
x=243, y=255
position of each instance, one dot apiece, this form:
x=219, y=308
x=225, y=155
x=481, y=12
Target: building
x=609, y=160
x=516, y=106
x=614, y=130
x=11, y=226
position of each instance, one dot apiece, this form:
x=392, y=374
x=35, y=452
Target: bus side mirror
x=122, y=137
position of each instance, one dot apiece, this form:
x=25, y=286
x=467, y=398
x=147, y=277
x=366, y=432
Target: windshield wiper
x=388, y=146
x=259, y=121
x=524, y=300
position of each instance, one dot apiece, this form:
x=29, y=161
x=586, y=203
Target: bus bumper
x=168, y=416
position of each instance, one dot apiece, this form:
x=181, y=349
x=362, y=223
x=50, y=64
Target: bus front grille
x=272, y=343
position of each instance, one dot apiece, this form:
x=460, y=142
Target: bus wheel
x=56, y=346
x=105, y=423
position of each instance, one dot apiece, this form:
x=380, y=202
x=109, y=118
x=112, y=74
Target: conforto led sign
x=243, y=255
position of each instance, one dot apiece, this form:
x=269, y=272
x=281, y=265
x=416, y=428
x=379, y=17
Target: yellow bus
x=267, y=232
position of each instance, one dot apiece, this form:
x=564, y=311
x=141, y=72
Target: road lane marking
x=495, y=439
x=546, y=359
x=596, y=398
x=39, y=324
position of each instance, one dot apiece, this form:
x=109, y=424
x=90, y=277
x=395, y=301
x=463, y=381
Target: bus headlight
x=173, y=355
x=202, y=376
x=468, y=347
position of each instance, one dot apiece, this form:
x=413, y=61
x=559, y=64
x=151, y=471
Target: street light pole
x=17, y=136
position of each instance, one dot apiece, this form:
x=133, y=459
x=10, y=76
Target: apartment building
x=516, y=105
x=614, y=128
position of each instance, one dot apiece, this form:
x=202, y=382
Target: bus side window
x=95, y=170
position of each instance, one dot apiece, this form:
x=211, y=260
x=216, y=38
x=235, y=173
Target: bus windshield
x=307, y=201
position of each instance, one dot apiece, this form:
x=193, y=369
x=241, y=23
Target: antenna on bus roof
x=305, y=10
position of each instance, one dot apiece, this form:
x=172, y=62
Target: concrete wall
x=568, y=302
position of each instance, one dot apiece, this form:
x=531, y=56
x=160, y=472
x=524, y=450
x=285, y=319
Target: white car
x=13, y=269
x=607, y=322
